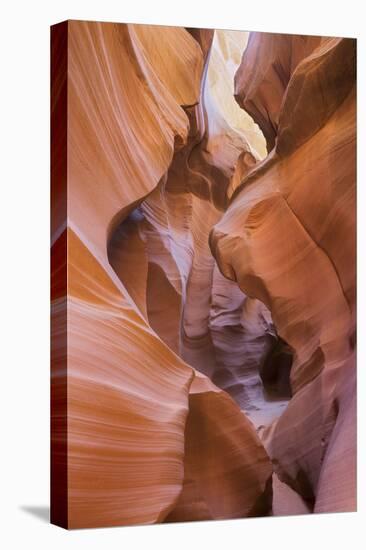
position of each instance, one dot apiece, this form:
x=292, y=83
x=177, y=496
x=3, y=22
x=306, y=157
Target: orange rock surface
x=134, y=117
x=288, y=239
x=203, y=292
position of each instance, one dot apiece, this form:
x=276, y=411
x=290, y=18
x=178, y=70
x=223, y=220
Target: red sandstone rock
x=264, y=74
x=288, y=239
x=209, y=324
x=227, y=473
x=134, y=118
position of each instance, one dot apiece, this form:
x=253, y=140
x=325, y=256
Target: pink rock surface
x=132, y=120
x=288, y=239
x=203, y=297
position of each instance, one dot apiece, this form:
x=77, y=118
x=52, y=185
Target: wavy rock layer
x=265, y=72
x=288, y=239
x=226, y=484
x=203, y=293
x=134, y=119
x=202, y=316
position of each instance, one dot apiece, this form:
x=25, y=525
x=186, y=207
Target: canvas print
x=203, y=274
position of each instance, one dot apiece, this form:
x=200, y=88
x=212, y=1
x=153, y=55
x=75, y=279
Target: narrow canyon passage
x=201, y=315
x=212, y=298
x=207, y=318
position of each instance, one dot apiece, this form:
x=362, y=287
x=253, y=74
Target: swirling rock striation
x=135, y=128
x=185, y=299
x=288, y=239
x=203, y=292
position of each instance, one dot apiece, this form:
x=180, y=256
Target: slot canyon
x=203, y=274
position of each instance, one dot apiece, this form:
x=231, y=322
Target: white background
x=24, y=305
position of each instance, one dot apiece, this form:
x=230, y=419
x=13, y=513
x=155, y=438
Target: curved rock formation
x=227, y=473
x=264, y=74
x=115, y=429
x=183, y=289
x=203, y=292
x=288, y=239
x=134, y=119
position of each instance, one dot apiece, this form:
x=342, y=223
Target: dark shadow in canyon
x=276, y=369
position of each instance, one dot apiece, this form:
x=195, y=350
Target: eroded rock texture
x=136, y=130
x=288, y=239
x=204, y=337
